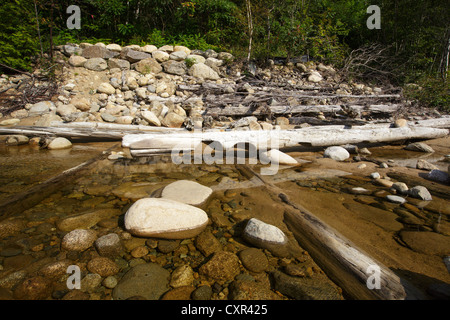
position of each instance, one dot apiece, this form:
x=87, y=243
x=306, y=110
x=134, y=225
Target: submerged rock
x=222, y=266
x=317, y=288
x=148, y=280
x=250, y=290
x=438, y=176
x=420, y=192
x=420, y=147
x=395, y=199
x=185, y=191
x=109, y=245
x=78, y=240
x=266, y=236
x=254, y=259
x=425, y=165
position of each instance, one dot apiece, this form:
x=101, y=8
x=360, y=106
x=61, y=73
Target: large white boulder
x=164, y=218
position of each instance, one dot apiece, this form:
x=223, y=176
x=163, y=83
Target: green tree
x=18, y=34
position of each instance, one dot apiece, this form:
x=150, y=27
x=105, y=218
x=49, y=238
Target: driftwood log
x=85, y=130
x=347, y=265
x=330, y=134
x=312, y=136
x=353, y=110
x=31, y=197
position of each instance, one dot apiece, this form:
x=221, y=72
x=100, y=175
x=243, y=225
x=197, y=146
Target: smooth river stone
x=165, y=218
x=276, y=156
x=185, y=191
x=266, y=236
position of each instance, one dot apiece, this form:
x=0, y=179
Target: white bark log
x=276, y=139
x=300, y=109
x=358, y=274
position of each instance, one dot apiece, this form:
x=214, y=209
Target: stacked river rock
x=142, y=86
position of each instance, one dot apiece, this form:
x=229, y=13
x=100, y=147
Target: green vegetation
x=414, y=35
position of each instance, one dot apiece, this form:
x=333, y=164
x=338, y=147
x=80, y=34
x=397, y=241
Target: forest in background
x=412, y=45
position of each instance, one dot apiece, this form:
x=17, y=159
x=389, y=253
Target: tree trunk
x=312, y=136
x=443, y=67
x=38, y=29
x=250, y=28
x=346, y=264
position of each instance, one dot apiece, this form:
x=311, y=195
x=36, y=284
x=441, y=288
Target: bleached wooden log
x=86, y=130
x=443, y=122
x=112, y=126
x=300, y=109
x=358, y=274
x=345, y=263
x=152, y=152
x=62, y=132
x=275, y=139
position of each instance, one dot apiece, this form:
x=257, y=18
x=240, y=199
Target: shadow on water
x=433, y=288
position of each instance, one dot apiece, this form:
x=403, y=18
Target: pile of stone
x=176, y=60
x=142, y=86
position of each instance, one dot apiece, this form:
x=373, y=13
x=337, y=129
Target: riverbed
x=411, y=239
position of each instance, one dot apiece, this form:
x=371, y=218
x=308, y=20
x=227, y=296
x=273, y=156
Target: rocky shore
x=169, y=87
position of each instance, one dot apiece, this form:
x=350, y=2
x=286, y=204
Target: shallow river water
x=411, y=239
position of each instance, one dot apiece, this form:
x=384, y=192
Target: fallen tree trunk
x=256, y=86
x=442, y=123
x=31, y=197
x=347, y=265
x=327, y=122
x=302, y=109
x=276, y=139
x=85, y=130
x=111, y=126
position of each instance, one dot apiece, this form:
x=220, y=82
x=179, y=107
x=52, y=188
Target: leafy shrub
x=18, y=35
x=431, y=92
